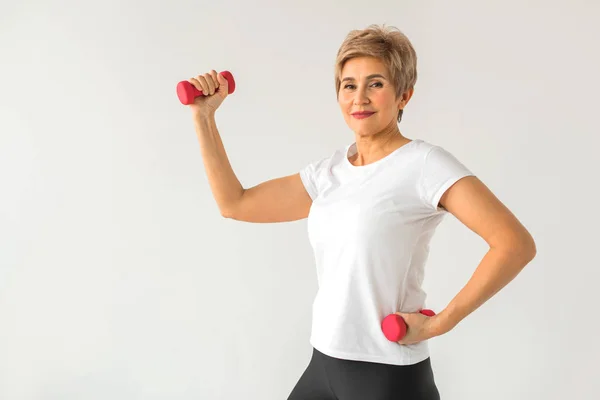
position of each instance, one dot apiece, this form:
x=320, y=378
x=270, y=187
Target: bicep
x=474, y=204
x=277, y=200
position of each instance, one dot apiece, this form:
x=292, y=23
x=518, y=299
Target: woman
x=374, y=206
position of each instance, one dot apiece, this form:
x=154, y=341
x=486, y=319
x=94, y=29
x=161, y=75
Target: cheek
x=383, y=100
x=345, y=104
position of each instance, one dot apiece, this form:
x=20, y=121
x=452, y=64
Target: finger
x=203, y=85
x=196, y=83
x=403, y=315
x=210, y=90
x=223, y=85
x=214, y=76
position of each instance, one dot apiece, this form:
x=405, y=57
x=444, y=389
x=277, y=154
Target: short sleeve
x=441, y=170
x=314, y=176
x=309, y=179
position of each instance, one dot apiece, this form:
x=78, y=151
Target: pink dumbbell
x=188, y=92
x=394, y=326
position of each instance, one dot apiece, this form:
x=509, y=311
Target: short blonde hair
x=389, y=45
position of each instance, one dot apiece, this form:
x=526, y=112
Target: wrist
x=444, y=322
x=203, y=114
x=441, y=323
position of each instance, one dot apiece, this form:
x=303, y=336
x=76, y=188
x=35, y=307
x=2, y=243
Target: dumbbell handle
x=394, y=327
x=188, y=92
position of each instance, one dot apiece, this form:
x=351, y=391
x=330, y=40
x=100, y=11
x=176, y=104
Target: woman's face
x=366, y=86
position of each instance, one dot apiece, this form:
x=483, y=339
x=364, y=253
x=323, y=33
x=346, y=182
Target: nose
x=360, y=97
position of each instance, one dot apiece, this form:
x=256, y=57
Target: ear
x=405, y=98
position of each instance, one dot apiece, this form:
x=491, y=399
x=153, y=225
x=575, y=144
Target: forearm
x=225, y=186
x=497, y=268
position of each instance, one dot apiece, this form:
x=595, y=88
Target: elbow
x=523, y=247
x=527, y=253
x=226, y=213
x=229, y=211
x=532, y=250
x=518, y=246
x=230, y=208
x=528, y=247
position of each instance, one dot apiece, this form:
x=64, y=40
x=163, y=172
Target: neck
x=374, y=147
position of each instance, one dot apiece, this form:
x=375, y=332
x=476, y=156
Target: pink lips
x=362, y=115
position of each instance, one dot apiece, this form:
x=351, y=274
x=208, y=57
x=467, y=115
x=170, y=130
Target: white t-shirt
x=370, y=228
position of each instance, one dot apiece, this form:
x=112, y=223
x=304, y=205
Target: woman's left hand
x=419, y=327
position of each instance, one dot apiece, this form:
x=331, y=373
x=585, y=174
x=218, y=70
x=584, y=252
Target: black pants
x=328, y=378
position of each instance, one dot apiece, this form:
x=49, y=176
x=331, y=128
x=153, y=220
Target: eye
x=374, y=83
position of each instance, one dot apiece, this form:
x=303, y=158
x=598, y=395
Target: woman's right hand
x=215, y=89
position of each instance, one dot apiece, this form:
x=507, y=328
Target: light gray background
x=118, y=277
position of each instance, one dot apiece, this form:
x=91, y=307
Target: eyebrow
x=349, y=78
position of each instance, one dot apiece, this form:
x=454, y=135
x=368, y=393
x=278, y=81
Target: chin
x=364, y=133
x=364, y=130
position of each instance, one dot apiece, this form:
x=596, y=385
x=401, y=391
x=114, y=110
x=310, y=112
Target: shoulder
x=425, y=148
x=434, y=154
x=328, y=159
x=317, y=172
x=440, y=169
